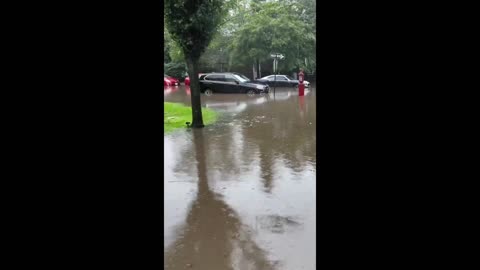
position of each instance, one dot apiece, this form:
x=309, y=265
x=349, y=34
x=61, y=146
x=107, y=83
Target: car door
x=214, y=82
x=271, y=81
x=291, y=82
x=275, y=81
x=231, y=84
x=282, y=81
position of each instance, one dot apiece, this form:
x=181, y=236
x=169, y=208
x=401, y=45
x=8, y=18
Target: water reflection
x=256, y=184
x=204, y=244
x=262, y=128
x=167, y=90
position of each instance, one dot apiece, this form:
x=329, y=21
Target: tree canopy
x=192, y=23
x=273, y=28
x=250, y=30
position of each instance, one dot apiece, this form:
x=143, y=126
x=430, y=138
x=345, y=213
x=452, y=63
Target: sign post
x=275, y=57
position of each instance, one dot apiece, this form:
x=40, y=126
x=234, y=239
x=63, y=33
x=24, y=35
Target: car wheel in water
x=250, y=92
x=208, y=92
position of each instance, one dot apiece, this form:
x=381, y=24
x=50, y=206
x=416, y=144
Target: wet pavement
x=240, y=193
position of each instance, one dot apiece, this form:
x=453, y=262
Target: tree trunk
x=259, y=69
x=197, y=119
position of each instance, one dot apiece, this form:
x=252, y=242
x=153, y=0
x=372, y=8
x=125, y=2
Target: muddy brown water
x=240, y=193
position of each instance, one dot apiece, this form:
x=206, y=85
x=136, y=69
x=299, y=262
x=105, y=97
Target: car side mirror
x=236, y=82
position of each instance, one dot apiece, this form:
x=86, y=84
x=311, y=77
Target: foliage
x=274, y=27
x=249, y=30
x=176, y=70
x=172, y=52
x=166, y=51
x=192, y=23
x=176, y=115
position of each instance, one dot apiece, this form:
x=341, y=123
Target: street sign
x=277, y=55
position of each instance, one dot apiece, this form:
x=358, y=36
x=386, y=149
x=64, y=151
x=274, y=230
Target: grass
x=175, y=115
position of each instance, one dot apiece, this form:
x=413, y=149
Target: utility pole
x=276, y=74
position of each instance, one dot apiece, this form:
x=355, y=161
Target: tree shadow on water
x=213, y=237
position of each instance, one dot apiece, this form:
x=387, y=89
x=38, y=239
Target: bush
x=176, y=70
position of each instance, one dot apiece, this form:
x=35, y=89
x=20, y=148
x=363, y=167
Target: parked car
x=228, y=82
x=187, y=79
x=169, y=81
x=280, y=81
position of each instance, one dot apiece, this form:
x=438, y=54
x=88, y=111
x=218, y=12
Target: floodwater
x=240, y=193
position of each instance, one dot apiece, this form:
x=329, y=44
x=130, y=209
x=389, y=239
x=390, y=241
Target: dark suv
x=229, y=82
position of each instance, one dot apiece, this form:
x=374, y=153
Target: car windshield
x=241, y=78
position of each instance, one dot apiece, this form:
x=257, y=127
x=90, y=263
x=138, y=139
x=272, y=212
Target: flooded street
x=240, y=193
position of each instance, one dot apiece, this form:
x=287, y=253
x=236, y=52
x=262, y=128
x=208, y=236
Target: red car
x=187, y=79
x=170, y=81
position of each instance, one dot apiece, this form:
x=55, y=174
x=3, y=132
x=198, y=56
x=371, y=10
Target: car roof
x=223, y=73
x=217, y=73
x=279, y=75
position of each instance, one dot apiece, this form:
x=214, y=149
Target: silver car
x=281, y=81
